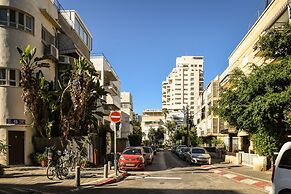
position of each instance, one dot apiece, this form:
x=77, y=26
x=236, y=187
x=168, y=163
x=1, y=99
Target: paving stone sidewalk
x=243, y=174
x=35, y=178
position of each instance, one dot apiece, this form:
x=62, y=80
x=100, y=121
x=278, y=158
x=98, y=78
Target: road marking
x=165, y=178
x=249, y=181
x=230, y=176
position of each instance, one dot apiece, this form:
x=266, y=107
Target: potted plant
x=42, y=159
x=84, y=163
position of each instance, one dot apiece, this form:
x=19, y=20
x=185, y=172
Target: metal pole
x=105, y=173
x=115, y=156
x=77, y=176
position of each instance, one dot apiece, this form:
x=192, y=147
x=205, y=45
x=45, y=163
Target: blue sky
x=142, y=38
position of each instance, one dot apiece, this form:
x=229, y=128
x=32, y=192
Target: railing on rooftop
x=60, y=8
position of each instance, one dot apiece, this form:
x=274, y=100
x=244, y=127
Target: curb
x=265, y=185
x=111, y=180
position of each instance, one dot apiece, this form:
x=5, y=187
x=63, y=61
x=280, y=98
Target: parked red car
x=132, y=158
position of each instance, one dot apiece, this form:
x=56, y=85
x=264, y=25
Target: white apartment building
x=183, y=85
x=209, y=125
x=40, y=23
x=126, y=115
x=151, y=118
x=111, y=83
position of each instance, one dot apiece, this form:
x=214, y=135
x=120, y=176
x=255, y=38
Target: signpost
x=115, y=117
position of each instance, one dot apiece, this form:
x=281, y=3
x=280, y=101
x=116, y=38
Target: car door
x=282, y=175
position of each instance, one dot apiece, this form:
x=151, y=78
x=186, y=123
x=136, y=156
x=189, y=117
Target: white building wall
x=11, y=104
x=183, y=85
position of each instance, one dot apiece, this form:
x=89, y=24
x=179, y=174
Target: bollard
x=105, y=171
x=109, y=165
x=77, y=176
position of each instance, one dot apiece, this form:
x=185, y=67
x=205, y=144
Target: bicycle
x=56, y=166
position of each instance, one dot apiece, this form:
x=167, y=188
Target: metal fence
x=248, y=159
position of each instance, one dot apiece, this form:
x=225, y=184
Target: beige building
x=208, y=124
x=151, y=118
x=275, y=15
x=126, y=114
x=45, y=26
x=111, y=83
x=183, y=85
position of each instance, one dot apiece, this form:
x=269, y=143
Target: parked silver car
x=198, y=155
x=149, y=154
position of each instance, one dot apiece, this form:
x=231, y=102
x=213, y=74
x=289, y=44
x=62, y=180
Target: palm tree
x=34, y=90
x=165, y=113
x=83, y=91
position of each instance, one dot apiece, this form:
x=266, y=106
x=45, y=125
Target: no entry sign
x=115, y=116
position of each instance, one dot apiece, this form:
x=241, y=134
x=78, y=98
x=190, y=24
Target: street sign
x=115, y=116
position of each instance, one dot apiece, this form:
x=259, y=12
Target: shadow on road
x=157, y=191
x=49, y=187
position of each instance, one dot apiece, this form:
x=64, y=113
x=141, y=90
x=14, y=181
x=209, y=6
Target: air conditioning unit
x=64, y=59
x=52, y=51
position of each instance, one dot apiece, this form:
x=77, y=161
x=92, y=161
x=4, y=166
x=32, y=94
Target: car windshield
x=198, y=151
x=133, y=151
x=147, y=150
x=185, y=149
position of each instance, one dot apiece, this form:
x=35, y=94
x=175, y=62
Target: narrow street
x=168, y=174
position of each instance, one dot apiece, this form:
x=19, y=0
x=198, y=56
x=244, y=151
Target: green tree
x=165, y=113
x=37, y=93
x=135, y=139
x=152, y=135
x=260, y=102
x=171, y=127
x=159, y=135
x=83, y=92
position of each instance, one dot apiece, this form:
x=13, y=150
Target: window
x=3, y=16
x=16, y=19
x=285, y=161
x=12, y=77
x=12, y=18
x=46, y=37
x=9, y=77
x=29, y=23
x=21, y=21
x=2, y=76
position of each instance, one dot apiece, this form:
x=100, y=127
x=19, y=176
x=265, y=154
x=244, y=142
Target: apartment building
x=110, y=81
x=151, y=118
x=183, y=85
x=209, y=125
x=275, y=15
x=126, y=114
x=44, y=25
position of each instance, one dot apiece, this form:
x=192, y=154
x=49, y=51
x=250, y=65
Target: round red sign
x=115, y=116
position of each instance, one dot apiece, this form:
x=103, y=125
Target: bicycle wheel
x=50, y=172
x=64, y=172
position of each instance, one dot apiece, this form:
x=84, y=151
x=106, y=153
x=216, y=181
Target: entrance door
x=16, y=147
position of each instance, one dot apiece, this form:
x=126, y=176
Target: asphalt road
x=168, y=174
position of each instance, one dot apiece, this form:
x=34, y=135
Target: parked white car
x=281, y=177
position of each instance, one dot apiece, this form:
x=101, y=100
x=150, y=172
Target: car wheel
x=285, y=191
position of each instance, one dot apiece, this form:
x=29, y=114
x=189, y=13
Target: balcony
x=112, y=89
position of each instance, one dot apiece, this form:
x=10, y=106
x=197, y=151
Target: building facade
x=151, y=118
x=126, y=115
x=183, y=85
x=41, y=24
x=276, y=14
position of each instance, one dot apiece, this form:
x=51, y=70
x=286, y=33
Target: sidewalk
x=35, y=178
x=242, y=174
